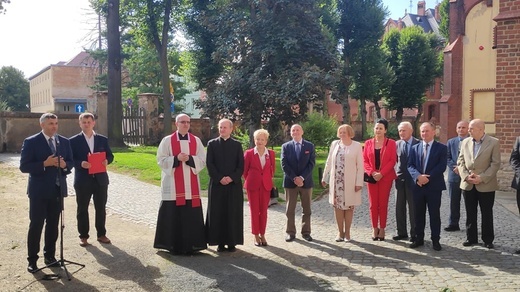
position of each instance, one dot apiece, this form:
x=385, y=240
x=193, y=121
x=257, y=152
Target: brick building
x=62, y=87
x=482, y=68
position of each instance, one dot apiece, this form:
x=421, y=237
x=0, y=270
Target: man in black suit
x=404, y=183
x=426, y=164
x=47, y=158
x=298, y=158
x=90, y=185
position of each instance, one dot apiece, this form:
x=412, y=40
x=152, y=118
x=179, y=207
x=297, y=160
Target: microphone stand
x=62, y=262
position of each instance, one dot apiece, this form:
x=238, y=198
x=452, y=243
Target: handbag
x=274, y=193
x=368, y=178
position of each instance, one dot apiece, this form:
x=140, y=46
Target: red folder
x=96, y=162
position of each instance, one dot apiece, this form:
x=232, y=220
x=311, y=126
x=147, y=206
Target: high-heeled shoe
x=258, y=241
x=375, y=233
x=264, y=242
x=381, y=234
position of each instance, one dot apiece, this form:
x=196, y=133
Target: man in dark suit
x=90, y=185
x=404, y=183
x=514, y=160
x=426, y=164
x=47, y=158
x=298, y=158
x=478, y=163
x=453, y=175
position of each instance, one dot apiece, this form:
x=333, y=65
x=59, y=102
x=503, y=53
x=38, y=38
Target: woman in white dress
x=344, y=173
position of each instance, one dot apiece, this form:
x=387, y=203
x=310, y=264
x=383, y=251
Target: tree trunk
x=114, y=107
x=399, y=115
x=346, y=110
x=378, y=109
x=161, y=45
x=363, y=106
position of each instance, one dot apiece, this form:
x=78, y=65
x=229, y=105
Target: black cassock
x=225, y=216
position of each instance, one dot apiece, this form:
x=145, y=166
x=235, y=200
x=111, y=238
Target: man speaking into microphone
x=42, y=156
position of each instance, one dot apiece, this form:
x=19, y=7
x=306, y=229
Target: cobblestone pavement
x=325, y=265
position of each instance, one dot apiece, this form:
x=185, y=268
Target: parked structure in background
x=65, y=87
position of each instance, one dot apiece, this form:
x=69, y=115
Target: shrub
x=320, y=130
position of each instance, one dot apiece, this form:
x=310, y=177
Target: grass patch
x=140, y=162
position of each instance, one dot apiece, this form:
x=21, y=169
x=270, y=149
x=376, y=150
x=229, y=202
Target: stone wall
x=16, y=126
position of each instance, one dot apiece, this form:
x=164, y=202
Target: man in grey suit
x=453, y=175
x=478, y=164
x=404, y=182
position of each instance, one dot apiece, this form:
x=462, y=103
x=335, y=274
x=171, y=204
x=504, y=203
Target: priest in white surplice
x=180, y=224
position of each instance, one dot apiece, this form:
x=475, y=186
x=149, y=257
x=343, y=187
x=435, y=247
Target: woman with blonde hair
x=259, y=168
x=344, y=173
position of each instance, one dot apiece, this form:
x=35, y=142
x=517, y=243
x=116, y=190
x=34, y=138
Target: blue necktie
x=425, y=154
x=298, y=150
x=53, y=149
x=51, y=145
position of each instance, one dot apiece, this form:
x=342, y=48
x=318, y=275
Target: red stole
x=178, y=173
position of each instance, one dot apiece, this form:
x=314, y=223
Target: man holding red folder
x=91, y=156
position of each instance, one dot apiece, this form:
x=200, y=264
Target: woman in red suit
x=259, y=167
x=380, y=156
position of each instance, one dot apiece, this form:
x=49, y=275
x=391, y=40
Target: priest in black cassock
x=225, y=216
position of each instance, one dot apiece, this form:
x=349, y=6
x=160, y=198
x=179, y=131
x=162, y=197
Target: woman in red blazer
x=380, y=156
x=259, y=168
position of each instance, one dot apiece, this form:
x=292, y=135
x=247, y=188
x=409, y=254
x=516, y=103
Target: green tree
x=2, y=2
x=275, y=59
x=14, y=89
x=413, y=56
x=444, y=26
x=358, y=33
x=371, y=78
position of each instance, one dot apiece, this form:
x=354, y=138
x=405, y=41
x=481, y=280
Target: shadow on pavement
x=242, y=271
x=119, y=265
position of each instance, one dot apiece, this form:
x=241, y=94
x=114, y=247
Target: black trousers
x=518, y=199
x=43, y=211
x=84, y=193
x=432, y=202
x=486, y=200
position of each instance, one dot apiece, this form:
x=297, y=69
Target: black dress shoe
x=413, y=239
x=51, y=262
x=517, y=251
x=32, y=267
x=400, y=237
x=452, y=228
x=416, y=244
x=307, y=237
x=489, y=245
x=469, y=243
x=437, y=246
x=221, y=248
x=231, y=248
x=289, y=237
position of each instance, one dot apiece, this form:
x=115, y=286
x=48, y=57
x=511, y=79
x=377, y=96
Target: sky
x=36, y=33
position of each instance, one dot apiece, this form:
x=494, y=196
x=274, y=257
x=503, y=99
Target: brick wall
x=508, y=74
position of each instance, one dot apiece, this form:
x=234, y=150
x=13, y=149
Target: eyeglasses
x=185, y=122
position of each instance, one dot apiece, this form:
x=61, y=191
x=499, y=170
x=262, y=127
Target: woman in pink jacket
x=259, y=168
